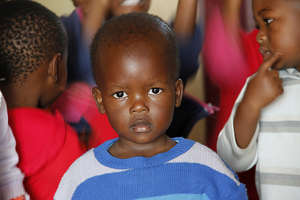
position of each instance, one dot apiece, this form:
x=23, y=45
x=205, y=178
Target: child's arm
x=237, y=142
x=185, y=19
x=22, y=197
x=11, y=178
x=231, y=14
x=189, y=37
x=95, y=13
x=263, y=89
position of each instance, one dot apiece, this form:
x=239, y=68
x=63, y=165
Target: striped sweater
x=187, y=171
x=275, y=146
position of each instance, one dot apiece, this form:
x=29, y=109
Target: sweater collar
x=105, y=158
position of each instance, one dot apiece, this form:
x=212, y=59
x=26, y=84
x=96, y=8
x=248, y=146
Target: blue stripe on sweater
x=179, y=197
x=159, y=181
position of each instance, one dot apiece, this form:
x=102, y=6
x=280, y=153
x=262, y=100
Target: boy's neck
x=20, y=96
x=124, y=149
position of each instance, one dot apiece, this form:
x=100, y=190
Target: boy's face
x=279, y=30
x=137, y=92
x=120, y=7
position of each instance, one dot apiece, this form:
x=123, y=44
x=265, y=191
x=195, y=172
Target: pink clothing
x=77, y=102
x=224, y=65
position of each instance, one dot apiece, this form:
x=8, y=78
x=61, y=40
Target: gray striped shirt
x=275, y=146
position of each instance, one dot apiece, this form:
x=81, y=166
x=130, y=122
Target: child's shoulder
x=89, y=164
x=85, y=167
x=75, y=175
x=200, y=154
x=85, y=161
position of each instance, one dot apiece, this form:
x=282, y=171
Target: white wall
x=164, y=8
x=60, y=7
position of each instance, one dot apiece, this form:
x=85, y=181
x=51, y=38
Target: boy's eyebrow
x=155, y=81
x=117, y=85
x=264, y=10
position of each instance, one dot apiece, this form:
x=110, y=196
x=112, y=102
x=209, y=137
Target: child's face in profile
x=138, y=92
x=120, y=7
x=279, y=30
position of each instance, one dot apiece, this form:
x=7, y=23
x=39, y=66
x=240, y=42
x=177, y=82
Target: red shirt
x=46, y=145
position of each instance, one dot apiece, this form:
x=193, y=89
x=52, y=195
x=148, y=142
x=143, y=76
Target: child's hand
x=96, y=6
x=95, y=13
x=185, y=19
x=19, y=198
x=266, y=86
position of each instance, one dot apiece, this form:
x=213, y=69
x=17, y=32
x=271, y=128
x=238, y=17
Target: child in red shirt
x=33, y=55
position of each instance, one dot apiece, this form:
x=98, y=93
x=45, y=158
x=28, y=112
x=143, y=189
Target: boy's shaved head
x=127, y=31
x=30, y=35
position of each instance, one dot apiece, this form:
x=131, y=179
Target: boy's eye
x=155, y=91
x=120, y=94
x=268, y=21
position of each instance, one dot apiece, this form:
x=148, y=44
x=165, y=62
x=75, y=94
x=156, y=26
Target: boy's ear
x=57, y=70
x=98, y=97
x=178, y=92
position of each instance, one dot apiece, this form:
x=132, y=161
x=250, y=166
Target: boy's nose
x=139, y=105
x=260, y=37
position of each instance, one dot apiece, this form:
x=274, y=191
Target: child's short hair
x=125, y=29
x=30, y=35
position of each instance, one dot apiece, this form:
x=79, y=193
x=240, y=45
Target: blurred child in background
x=33, y=52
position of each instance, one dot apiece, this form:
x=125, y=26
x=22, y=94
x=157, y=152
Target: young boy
x=81, y=26
x=135, y=64
x=33, y=73
x=263, y=128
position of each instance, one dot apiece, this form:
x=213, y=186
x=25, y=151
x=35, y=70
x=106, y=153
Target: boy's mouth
x=130, y=2
x=141, y=126
x=265, y=52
